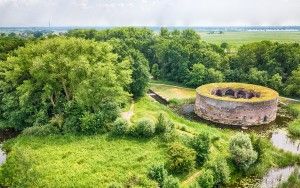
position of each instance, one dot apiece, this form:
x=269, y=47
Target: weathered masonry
x=236, y=103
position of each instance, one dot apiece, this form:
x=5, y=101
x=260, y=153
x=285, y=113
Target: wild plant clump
x=120, y=127
x=144, y=128
x=160, y=175
x=181, y=159
x=206, y=179
x=220, y=171
x=242, y=152
x=41, y=130
x=201, y=145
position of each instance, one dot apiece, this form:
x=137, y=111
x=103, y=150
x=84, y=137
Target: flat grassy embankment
x=170, y=92
x=237, y=39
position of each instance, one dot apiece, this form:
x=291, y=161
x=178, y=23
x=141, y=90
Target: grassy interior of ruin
x=266, y=94
x=83, y=161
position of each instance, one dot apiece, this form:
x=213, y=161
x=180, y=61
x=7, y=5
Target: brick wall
x=236, y=113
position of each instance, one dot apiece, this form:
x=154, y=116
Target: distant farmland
x=237, y=39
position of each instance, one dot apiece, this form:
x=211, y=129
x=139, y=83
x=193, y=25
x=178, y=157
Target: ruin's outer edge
x=236, y=112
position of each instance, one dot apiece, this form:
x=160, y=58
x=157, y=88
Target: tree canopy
x=66, y=77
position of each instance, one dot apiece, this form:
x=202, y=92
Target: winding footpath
x=127, y=115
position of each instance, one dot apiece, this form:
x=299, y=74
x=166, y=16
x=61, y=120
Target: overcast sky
x=149, y=12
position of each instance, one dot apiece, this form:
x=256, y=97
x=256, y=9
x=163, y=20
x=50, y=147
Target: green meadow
x=237, y=39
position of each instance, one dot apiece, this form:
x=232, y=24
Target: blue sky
x=149, y=12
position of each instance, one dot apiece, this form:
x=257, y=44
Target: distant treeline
x=181, y=56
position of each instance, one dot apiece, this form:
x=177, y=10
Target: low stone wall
x=236, y=113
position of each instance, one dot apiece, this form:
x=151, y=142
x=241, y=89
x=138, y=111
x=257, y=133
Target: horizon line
x=245, y=26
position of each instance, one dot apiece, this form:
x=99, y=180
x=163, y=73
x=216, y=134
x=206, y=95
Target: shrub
x=242, y=152
x=57, y=121
x=170, y=135
x=72, y=114
x=171, y=182
x=144, y=128
x=100, y=121
x=291, y=110
x=206, y=180
x=158, y=173
x=180, y=158
x=294, y=128
x=201, y=145
x=43, y=130
x=115, y=185
x=120, y=127
x=162, y=124
x=220, y=170
x=259, y=145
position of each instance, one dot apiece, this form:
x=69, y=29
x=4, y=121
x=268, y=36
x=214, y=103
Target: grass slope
x=170, y=92
x=80, y=161
x=93, y=161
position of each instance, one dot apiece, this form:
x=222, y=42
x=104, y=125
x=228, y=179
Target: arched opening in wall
x=219, y=92
x=265, y=118
x=229, y=92
x=241, y=94
x=250, y=95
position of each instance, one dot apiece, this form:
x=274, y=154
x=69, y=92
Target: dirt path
x=290, y=99
x=127, y=115
x=191, y=179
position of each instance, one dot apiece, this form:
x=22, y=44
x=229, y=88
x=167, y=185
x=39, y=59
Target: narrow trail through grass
x=128, y=114
x=191, y=179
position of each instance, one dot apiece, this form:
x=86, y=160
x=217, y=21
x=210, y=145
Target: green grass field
x=81, y=161
x=237, y=39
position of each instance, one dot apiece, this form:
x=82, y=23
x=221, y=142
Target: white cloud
x=149, y=12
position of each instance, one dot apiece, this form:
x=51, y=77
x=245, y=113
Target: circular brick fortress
x=236, y=103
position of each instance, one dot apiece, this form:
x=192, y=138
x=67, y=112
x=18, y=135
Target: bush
x=294, y=128
x=144, y=128
x=170, y=135
x=57, y=121
x=115, y=185
x=220, y=170
x=162, y=124
x=180, y=158
x=72, y=114
x=120, y=127
x=201, y=145
x=43, y=130
x=171, y=182
x=158, y=173
x=242, y=152
x=206, y=180
x=100, y=121
x=291, y=110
